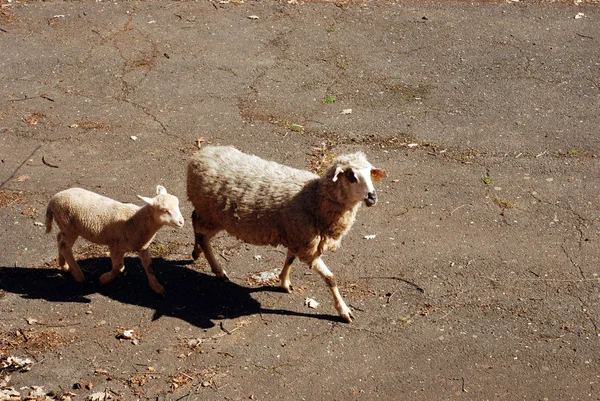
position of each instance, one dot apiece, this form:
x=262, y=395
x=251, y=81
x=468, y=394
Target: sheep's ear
x=377, y=174
x=146, y=200
x=338, y=171
x=160, y=190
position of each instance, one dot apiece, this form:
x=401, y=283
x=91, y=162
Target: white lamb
x=124, y=227
x=265, y=203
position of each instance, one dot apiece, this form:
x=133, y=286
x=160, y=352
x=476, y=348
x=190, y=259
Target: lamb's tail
x=49, y=217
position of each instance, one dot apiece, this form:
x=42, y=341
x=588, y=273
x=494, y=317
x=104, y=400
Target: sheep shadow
x=192, y=296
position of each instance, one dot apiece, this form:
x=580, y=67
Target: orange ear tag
x=377, y=175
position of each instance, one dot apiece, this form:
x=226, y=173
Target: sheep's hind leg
x=118, y=265
x=144, y=255
x=329, y=278
x=203, y=242
x=284, y=276
x=66, y=260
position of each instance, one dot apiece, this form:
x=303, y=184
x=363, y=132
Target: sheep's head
x=355, y=175
x=165, y=207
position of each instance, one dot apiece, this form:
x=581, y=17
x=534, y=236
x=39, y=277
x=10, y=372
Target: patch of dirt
x=8, y=197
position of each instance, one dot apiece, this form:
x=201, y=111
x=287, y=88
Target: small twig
x=390, y=297
x=461, y=206
x=227, y=331
x=58, y=325
x=357, y=308
x=3, y=30
x=42, y=96
x=558, y=280
x=183, y=396
x=188, y=376
x=20, y=99
x=583, y=36
x=48, y=164
x=541, y=154
x=443, y=317
x=416, y=286
x=223, y=256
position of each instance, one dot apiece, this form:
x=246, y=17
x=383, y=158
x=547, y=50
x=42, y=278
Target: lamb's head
x=165, y=207
x=354, y=177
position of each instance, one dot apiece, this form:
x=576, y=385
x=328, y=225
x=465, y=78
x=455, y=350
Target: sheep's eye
x=351, y=176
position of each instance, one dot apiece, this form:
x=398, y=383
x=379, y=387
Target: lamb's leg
x=66, y=260
x=329, y=278
x=144, y=255
x=118, y=265
x=62, y=263
x=284, y=276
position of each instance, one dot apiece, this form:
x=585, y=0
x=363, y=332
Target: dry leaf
x=21, y=178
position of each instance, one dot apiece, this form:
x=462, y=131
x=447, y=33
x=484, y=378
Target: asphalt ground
x=475, y=277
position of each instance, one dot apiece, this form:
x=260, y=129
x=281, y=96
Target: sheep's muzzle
x=371, y=199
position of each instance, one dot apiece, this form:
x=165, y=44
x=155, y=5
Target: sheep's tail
x=49, y=217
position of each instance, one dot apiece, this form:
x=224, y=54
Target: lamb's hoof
x=106, y=278
x=79, y=279
x=195, y=254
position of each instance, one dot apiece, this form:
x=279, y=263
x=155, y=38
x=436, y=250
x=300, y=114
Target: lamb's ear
x=338, y=171
x=146, y=200
x=160, y=190
x=377, y=174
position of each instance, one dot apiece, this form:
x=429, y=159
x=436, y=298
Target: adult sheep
x=265, y=203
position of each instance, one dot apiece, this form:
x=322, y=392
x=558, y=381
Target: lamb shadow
x=192, y=296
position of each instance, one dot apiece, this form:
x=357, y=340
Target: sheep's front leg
x=329, y=278
x=144, y=255
x=118, y=265
x=66, y=260
x=284, y=276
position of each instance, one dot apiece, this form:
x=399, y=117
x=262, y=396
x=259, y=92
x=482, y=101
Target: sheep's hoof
x=347, y=316
x=223, y=276
x=287, y=287
x=195, y=254
x=157, y=288
x=79, y=278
